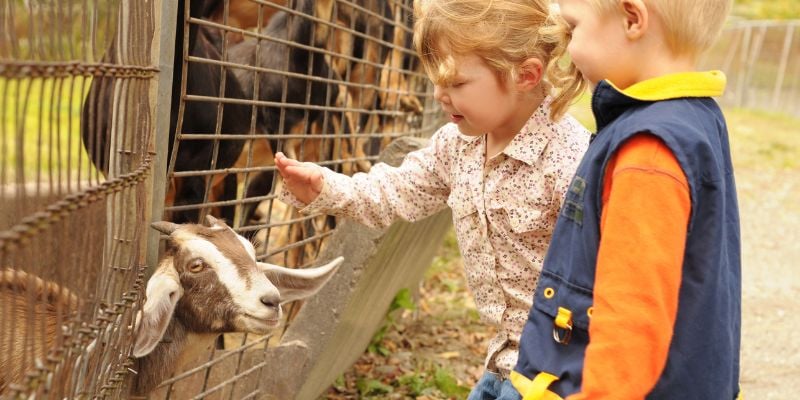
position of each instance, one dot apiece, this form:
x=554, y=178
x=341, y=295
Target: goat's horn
x=210, y=220
x=165, y=227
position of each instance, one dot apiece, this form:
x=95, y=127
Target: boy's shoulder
x=690, y=113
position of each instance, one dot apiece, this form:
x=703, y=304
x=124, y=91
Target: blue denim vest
x=703, y=360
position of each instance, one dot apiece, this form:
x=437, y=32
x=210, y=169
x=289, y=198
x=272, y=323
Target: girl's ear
x=636, y=18
x=530, y=74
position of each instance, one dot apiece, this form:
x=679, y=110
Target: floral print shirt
x=504, y=209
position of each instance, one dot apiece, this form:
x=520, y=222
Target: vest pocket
x=568, y=305
x=554, y=340
x=572, y=208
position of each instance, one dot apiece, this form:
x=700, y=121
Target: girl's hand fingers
x=282, y=160
x=303, y=179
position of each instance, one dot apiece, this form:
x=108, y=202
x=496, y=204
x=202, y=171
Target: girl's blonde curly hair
x=504, y=33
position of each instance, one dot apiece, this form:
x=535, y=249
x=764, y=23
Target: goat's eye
x=197, y=265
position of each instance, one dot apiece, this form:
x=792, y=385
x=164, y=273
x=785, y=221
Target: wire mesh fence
x=325, y=81
x=71, y=248
x=762, y=62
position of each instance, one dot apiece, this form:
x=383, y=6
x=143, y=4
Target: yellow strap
x=564, y=318
x=535, y=389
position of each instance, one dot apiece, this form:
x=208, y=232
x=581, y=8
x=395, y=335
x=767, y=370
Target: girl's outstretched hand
x=304, y=179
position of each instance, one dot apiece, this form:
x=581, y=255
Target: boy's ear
x=636, y=18
x=530, y=74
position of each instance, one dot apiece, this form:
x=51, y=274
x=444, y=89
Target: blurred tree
x=767, y=9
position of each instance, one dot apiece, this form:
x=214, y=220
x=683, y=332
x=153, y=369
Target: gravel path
x=770, y=213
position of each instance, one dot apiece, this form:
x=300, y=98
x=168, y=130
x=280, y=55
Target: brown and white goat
x=208, y=282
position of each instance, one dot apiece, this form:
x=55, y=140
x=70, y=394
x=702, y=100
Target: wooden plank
x=335, y=327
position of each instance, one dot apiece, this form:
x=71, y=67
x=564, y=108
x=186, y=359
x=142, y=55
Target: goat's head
x=210, y=280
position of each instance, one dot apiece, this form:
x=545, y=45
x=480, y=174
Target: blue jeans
x=492, y=387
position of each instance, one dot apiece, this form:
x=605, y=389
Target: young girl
x=503, y=164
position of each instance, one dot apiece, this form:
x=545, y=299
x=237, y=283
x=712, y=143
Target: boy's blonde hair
x=504, y=33
x=691, y=26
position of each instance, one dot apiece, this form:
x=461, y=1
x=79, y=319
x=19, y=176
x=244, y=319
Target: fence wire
x=71, y=228
x=328, y=81
x=762, y=62
x=325, y=81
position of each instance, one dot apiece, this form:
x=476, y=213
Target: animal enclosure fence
x=119, y=112
x=326, y=81
x=762, y=62
x=71, y=235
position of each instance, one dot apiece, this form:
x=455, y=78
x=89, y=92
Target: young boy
x=640, y=291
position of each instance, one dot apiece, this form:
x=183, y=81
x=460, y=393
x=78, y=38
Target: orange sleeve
x=646, y=207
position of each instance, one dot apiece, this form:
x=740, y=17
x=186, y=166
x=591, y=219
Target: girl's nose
x=439, y=94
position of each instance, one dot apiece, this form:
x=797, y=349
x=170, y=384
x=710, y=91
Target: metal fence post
x=787, y=45
x=741, y=83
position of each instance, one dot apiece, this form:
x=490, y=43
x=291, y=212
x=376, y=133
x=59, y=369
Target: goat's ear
x=163, y=292
x=210, y=220
x=295, y=284
x=213, y=222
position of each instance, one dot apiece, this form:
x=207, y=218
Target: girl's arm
x=646, y=207
x=414, y=190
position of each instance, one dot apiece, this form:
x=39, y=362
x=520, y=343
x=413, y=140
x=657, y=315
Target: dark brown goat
x=202, y=79
x=295, y=81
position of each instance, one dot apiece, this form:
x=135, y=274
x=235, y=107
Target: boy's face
x=476, y=100
x=599, y=46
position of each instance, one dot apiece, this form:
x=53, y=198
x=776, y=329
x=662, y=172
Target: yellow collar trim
x=682, y=84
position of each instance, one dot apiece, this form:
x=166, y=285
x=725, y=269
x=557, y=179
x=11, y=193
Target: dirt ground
x=771, y=283
x=447, y=340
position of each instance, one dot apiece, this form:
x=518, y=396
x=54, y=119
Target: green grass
x=766, y=9
x=582, y=111
x=762, y=140
x=41, y=128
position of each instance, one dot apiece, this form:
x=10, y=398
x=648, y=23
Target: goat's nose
x=271, y=300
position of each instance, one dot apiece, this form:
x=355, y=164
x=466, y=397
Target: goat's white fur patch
x=247, y=299
x=248, y=246
x=163, y=292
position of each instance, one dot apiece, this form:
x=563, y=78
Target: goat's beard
x=261, y=326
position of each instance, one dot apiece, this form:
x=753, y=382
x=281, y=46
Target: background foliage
x=766, y=9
